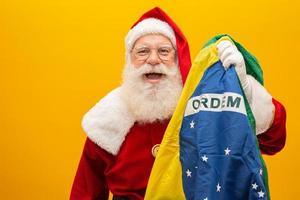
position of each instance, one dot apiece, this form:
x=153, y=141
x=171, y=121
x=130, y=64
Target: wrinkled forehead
x=153, y=41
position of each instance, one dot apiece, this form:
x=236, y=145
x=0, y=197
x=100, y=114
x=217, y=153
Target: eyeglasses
x=165, y=53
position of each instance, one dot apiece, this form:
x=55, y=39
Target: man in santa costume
x=124, y=129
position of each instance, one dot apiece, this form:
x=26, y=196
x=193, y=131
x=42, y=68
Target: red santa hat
x=157, y=21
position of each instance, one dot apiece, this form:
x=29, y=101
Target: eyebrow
x=141, y=46
x=145, y=46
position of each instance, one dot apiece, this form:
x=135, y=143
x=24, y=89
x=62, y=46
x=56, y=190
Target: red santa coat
x=127, y=173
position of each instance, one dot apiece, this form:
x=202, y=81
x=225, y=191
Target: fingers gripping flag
x=209, y=150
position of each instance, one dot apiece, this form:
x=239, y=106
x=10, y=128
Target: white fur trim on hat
x=149, y=26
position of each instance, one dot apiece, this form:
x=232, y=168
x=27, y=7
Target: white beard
x=151, y=102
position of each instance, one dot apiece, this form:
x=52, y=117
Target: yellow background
x=59, y=57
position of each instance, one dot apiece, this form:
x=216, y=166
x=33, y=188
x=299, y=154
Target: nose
x=153, y=59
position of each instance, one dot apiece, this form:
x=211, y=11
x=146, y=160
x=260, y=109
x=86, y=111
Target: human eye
x=142, y=51
x=164, y=51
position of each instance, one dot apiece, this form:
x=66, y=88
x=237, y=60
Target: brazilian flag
x=210, y=150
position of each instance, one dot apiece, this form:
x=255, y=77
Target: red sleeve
x=89, y=182
x=273, y=140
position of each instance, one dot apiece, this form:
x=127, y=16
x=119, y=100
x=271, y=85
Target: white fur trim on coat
x=261, y=105
x=108, y=122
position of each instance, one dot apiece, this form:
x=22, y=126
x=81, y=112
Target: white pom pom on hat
x=149, y=26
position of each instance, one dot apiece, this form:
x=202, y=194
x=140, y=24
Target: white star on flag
x=205, y=198
x=261, y=194
x=192, y=124
x=218, y=188
x=188, y=173
x=204, y=158
x=227, y=151
x=261, y=172
x=254, y=186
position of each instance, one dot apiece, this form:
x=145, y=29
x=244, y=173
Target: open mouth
x=153, y=77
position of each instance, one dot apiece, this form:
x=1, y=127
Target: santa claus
x=124, y=129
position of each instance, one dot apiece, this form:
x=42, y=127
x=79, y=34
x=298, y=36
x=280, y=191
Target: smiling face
x=153, y=51
x=151, y=79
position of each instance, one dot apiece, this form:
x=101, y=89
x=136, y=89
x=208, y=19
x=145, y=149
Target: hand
x=258, y=97
x=230, y=55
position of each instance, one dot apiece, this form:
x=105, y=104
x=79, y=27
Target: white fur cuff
x=261, y=105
